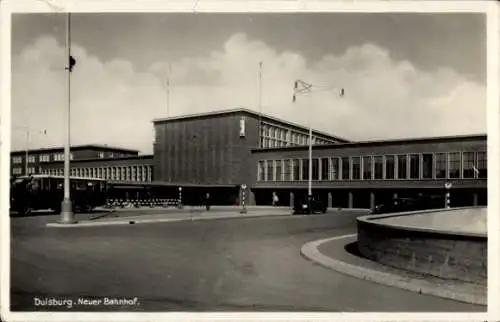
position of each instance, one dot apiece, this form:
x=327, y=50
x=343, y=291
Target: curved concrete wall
x=442, y=253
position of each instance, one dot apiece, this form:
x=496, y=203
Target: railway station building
x=221, y=152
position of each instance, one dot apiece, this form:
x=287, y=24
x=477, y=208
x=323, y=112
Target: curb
x=133, y=221
x=311, y=252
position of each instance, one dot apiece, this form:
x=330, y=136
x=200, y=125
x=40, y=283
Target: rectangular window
x=31, y=159
x=100, y=155
x=17, y=160
x=31, y=170
x=427, y=165
x=296, y=169
x=17, y=171
x=378, y=165
x=335, y=168
x=324, y=168
x=367, y=168
x=414, y=166
x=454, y=164
x=402, y=166
x=279, y=171
x=346, y=167
x=315, y=169
x=482, y=164
x=441, y=162
x=468, y=165
x=44, y=158
x=270, y=170
x=260, y=171
x=305, y=169
x=356, y=168
x=389, y=167
x=287, y=170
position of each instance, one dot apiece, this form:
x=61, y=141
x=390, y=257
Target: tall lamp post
x=300, y=87
x=67, y=215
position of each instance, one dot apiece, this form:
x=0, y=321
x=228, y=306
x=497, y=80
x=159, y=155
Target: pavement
x=128, y=216
x=237, y=265
x=340, y=254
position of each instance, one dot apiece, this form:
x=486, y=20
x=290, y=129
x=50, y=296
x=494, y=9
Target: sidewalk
x=340, y=254
x=152, y=215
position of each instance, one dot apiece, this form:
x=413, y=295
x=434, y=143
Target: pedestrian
x=275, y=199
x=207, y=201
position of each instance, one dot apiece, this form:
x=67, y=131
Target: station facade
x=220, y=152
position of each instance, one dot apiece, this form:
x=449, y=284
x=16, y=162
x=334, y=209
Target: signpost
x=179, y=205
x=243, y=189
x=447, y=186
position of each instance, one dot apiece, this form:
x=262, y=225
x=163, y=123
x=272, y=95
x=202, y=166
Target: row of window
x=453, y=165
x=20, y=171
x=273, y=136
x=41, y=157
x=59, y=156
x=137, y=173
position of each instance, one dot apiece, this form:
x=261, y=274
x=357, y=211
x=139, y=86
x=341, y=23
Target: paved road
x=220, y=265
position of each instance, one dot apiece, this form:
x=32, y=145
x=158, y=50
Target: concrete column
x=251, y=198
x=372, y=200
x=475, y=199
x=330, y=200
x=350, y=200
x=291, y=199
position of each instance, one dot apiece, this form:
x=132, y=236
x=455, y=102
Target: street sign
x=447, y=185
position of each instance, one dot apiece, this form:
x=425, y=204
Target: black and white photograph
x=286, y=161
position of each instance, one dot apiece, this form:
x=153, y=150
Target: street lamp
x=67, y=215
x=300, y=87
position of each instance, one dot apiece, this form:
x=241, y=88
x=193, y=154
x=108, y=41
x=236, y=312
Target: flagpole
x=67, y=215
x=260, y=105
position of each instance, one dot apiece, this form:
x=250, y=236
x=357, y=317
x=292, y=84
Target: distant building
x=39, y=158
x=221, y=151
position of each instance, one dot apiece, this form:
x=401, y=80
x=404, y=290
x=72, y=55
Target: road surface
x=213, y=265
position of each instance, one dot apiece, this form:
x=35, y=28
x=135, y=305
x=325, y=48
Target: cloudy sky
x=404, y=75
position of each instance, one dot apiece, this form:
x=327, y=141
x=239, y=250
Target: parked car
x=410, y=204
x=302, y=205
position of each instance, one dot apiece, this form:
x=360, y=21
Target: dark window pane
x=402, y=166
x=414, y=166
x=324, y=169
x=441, y=161
x=296, y=170
x=278, y=170
x=482, y=164
x=367, y=168
x=305, y=169
x=389, y=167
x=378, y=167
x=356, y=168
x=334, y=175
x=427, y=165
x=454, y=164
x=345, y=168
x=468, y=165
x=315, y=169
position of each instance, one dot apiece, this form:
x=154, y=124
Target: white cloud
x=113, y=103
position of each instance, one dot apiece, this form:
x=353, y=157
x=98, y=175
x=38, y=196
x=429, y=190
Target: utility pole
x=301, y=87
x=67, y=215
x=168, y=90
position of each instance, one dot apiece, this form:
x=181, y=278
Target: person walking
x=207, y=201
x=275, y=199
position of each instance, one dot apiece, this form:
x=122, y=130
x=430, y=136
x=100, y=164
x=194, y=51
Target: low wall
x=441, y=253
